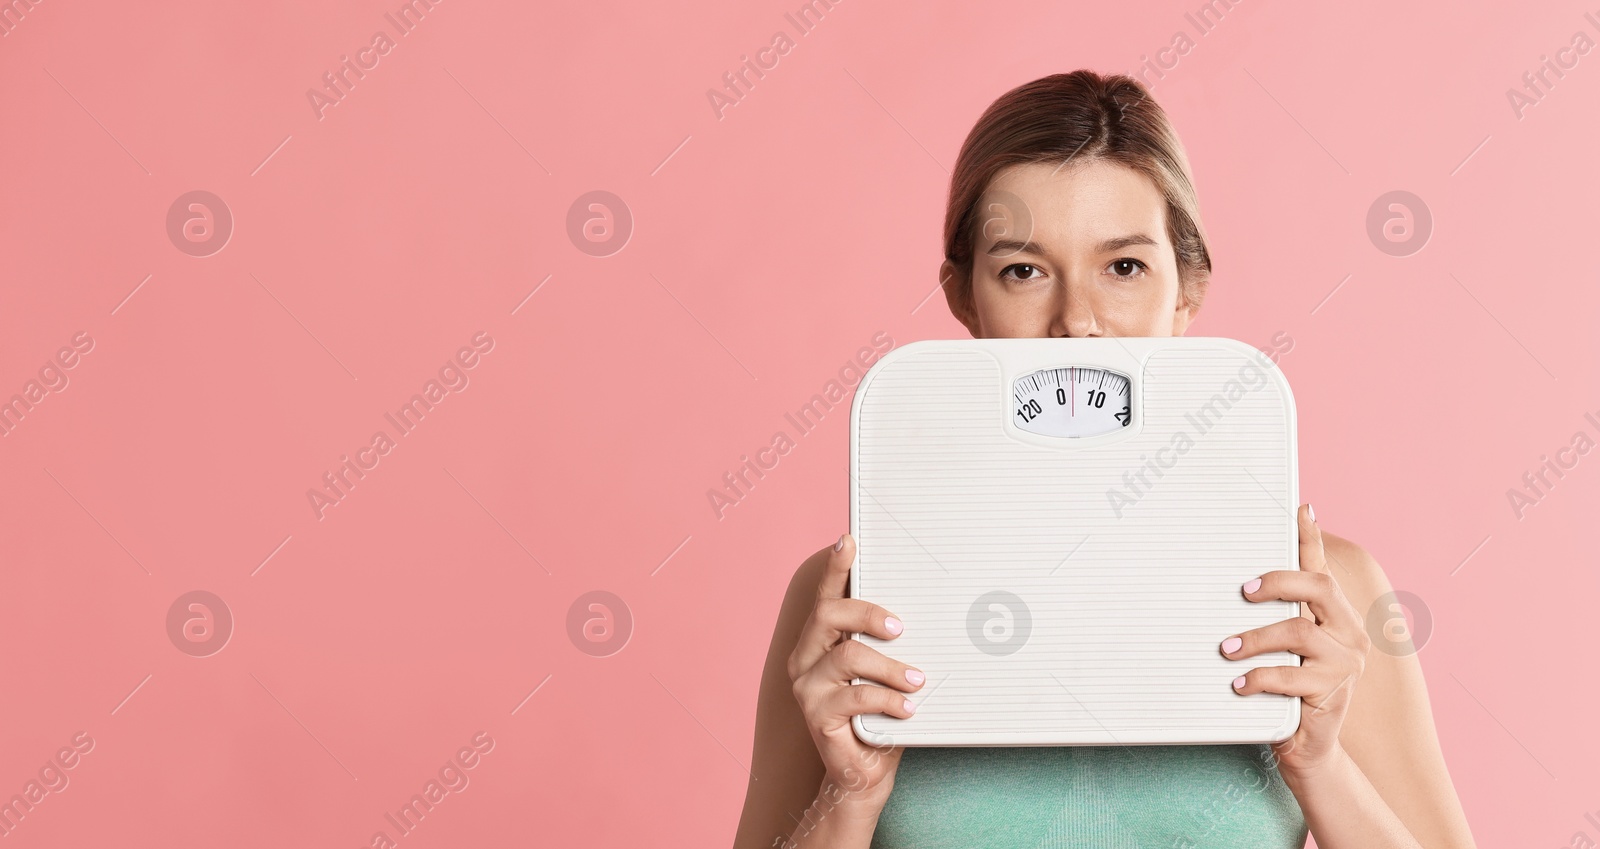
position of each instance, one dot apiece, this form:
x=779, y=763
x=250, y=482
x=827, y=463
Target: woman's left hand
x=1333, y=647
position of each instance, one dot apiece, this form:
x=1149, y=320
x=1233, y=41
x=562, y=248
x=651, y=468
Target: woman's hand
x=822, y=665
x=1333, y=646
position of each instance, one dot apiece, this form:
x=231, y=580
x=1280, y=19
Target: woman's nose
x=1073, y=312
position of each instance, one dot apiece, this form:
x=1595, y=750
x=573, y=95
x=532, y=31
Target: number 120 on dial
x=1071, y=401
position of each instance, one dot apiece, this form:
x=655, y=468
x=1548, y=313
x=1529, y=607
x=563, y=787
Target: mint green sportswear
x=1100, y=797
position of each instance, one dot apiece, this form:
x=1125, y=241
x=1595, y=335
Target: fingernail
x=1231, y=645
x=1238, y=683
x=910, y=708
x=1312, y=511
x=915, y=677
x=1252, y=585
x=839, y=546
x=893, y=625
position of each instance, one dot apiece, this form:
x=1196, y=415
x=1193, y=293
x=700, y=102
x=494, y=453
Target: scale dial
x=1072, y=401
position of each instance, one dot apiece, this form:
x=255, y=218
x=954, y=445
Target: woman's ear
x=958, y=294
x=1188, y=306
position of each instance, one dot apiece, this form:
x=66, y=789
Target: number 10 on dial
x=1071, y=401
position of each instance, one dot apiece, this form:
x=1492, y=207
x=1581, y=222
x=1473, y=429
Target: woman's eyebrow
x=1007, y=247
x=1121, y=242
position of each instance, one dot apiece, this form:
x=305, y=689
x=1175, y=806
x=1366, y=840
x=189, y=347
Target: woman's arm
x=1343, y=809
x=837, y=819
x=1401, y=796
x=812, y=782
x=1388, y=732
x=786, y=770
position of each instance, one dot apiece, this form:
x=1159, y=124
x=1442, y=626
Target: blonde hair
x=1081, y=116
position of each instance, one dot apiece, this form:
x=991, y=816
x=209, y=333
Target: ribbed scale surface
x=1130, y=583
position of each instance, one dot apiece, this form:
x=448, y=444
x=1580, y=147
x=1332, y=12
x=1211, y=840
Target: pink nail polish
x=839, y=546
x=1312, y=512
x=1252, y=585
x=1231, y=645
x=893, y=625
x=910, y=708
x=915, y=677
x=1238, y=682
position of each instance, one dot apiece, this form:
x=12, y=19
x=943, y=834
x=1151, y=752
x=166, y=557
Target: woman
x=1113, y=247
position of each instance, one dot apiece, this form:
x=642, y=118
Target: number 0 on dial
x=1071, y=401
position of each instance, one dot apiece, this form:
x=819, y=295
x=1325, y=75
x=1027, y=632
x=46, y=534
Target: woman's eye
x=1021, y=271
x=1127, y=267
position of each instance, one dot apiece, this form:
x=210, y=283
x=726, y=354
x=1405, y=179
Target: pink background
x=767, y=247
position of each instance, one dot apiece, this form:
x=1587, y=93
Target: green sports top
x=1107, y=797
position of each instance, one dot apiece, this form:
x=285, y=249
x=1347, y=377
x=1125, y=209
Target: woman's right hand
x=822, y=665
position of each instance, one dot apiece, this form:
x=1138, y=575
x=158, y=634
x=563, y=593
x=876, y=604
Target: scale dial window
x=1072, y=401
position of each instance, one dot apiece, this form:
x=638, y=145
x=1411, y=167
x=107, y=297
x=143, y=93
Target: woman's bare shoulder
x=1389, y=730
x=1355, y=569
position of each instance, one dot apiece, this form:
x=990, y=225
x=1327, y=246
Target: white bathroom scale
x=1063, y=525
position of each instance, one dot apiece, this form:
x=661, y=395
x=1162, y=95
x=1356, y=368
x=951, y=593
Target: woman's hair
x=1081, y=116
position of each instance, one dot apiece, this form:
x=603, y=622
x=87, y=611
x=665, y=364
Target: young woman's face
x=1079, y=251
